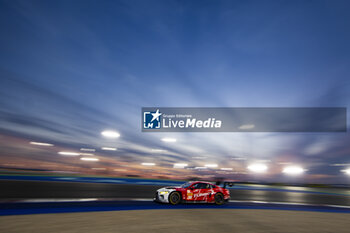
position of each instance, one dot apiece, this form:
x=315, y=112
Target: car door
x=193, y=192
x=206, y=192
x=200, y=192
x=211, y=193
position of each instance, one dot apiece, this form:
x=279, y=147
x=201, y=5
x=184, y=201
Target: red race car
x=195, y=191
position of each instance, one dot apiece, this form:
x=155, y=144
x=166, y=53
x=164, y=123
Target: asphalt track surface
x=29, y=189
x=179, y=221
x=24, y=208
x=60, y=206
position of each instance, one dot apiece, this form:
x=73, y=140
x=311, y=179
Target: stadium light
x=200, y=168
x=41, y=144
x=250, y=126
x=89, y=159
x=257, y=167
x=347, y=171
x=293, y=170
x=110, y=134
x=180, y=165
x=68, y=153
x=169, y=139
x=226, y=168
x=87, y=149
x=88, y=154
x=148, y=164
x=109, y=148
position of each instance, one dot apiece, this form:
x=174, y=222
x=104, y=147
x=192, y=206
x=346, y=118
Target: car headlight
x=163, y=192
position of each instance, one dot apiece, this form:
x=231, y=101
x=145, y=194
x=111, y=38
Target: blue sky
x=70, y=69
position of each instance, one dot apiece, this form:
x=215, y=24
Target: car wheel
x=219, y=199
x=174, y=198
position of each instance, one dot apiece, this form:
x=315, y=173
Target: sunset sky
x=71, y=69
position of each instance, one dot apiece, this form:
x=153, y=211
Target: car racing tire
x=174, y=198
x=219, y=199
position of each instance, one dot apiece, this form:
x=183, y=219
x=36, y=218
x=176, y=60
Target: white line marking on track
x=58, y=200
x=290, y=203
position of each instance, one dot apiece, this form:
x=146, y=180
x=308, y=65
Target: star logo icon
x=156, y=115
x=152, y=119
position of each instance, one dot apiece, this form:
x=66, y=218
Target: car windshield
x=186, y=185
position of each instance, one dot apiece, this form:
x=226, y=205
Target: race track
x=31, y=189
x=41, y=204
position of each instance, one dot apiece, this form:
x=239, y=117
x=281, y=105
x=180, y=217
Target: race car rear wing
x=230, y=184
